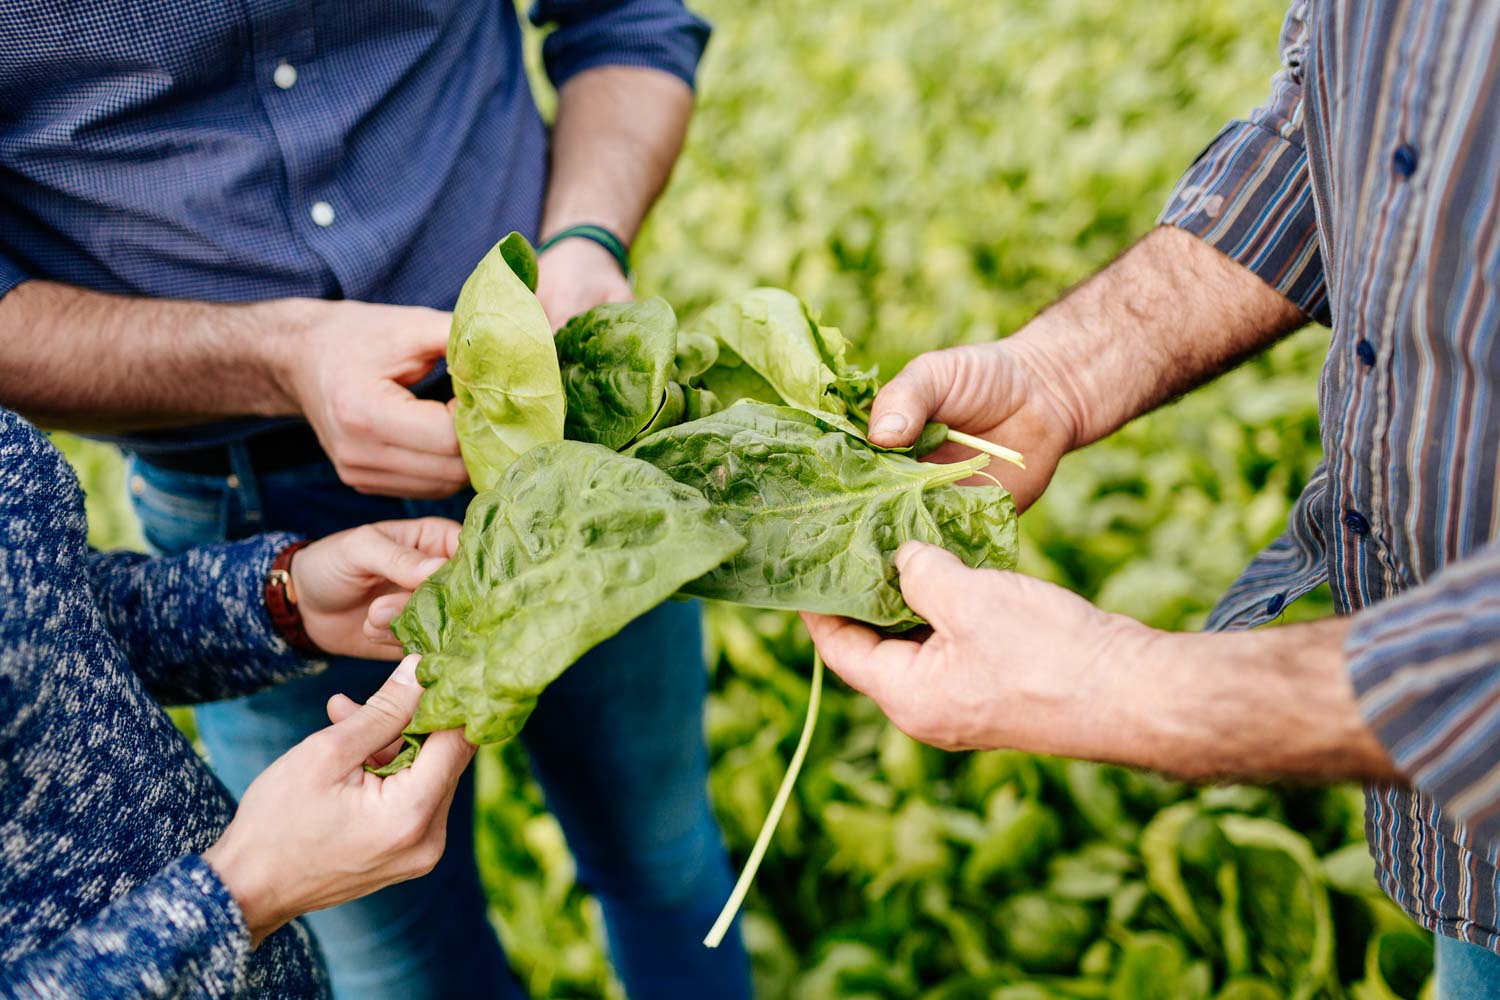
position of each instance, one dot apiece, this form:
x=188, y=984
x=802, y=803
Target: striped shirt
x=1366, y=189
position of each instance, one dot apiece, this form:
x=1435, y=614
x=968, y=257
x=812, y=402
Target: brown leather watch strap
x=281, y=602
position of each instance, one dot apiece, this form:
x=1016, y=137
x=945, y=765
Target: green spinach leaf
x=824, y=512
x=503, y=364
x=772, y=350
x=574, y=543
x=617, y=361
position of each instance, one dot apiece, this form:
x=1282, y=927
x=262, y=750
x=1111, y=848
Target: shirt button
x=285, y=76
x=1404, y=159
x=1275, y=604
x=1366, y=352
x=1356, y=522
x=322, y=213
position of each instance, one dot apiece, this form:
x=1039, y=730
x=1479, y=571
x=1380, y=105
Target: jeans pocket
x=178, y=510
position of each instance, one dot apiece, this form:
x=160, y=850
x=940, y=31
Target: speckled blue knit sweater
x=103, y=804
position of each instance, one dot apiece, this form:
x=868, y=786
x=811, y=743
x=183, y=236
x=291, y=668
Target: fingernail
x=382, y=616
x=406, y=673
x=432, y=565
x=890, y=425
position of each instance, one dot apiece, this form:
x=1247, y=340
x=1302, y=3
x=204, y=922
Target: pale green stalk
x=778, y=806
x=980, y=444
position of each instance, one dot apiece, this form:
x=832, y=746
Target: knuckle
x=387, y=708
x=351, y=413
x=409, y=837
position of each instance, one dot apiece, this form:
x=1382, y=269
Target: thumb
x=937, y=585
x=908, y=401
x=380, y=719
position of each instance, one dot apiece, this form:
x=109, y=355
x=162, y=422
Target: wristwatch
x=281, y=603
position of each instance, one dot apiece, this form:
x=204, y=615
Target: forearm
x=87, y=361
x=1258, y=705
x=195, y=627
x=618, y=132
x=1168, y=315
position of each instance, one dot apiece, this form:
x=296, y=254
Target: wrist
x=281, y=339
x=1054, y=381
x=587, y=242
x=282, y=596
x=248, y=884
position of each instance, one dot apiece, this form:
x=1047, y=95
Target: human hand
x=316, y=829
x=1011, y=661
x=350, y=586
x=576, y=275
x=349, y=375
x=995, y=391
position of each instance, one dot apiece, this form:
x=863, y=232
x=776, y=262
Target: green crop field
x=929, y=174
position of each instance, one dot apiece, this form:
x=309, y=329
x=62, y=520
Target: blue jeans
x=1466, y=971
x=616, y=743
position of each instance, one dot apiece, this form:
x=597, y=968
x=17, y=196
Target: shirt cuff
x=1426, y=673
x=11, y=274
x=655, y=34
x=1249, y=196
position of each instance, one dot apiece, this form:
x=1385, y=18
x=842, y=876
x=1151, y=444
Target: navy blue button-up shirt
x=237, y=150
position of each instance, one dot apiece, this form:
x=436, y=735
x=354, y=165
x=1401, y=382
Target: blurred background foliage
x=929, y=174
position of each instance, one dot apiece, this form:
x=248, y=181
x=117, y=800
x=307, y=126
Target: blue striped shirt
x=1366, y=189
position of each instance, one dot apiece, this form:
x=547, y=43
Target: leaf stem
x=980, y=444
x=778, y=806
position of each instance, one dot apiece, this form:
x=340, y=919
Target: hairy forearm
x=82, y=360
x=1259, y=705
x=618, y=132
x=1168, y=315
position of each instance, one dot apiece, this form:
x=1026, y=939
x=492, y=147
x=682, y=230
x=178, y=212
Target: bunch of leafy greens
x=778, y=501
x=775, y=502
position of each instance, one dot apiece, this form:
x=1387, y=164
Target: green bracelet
x=595, y=234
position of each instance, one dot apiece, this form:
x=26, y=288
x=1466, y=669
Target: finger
x=383, y=611
x=377, y=459
x=909, y=400
x=938, y=586
x=401, y=419
x=428, y=341
x=340, y=707
x=872, y=665
x=436, y=536
x=379, y=721
x=383, y=484
x=378, y=555
x=439, y=766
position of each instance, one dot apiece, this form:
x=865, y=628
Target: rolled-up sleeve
x=11, y=273
x=657, y=34
x=1249, y=193
x=1426, y=673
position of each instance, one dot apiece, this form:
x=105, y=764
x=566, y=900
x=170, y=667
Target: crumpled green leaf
x=574, y=543
x=824, y=513
x=503, y=364
x=617, y=360
x=771, y=349
x=624, y=372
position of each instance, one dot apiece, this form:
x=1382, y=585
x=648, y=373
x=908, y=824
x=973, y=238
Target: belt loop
x=244, y=483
